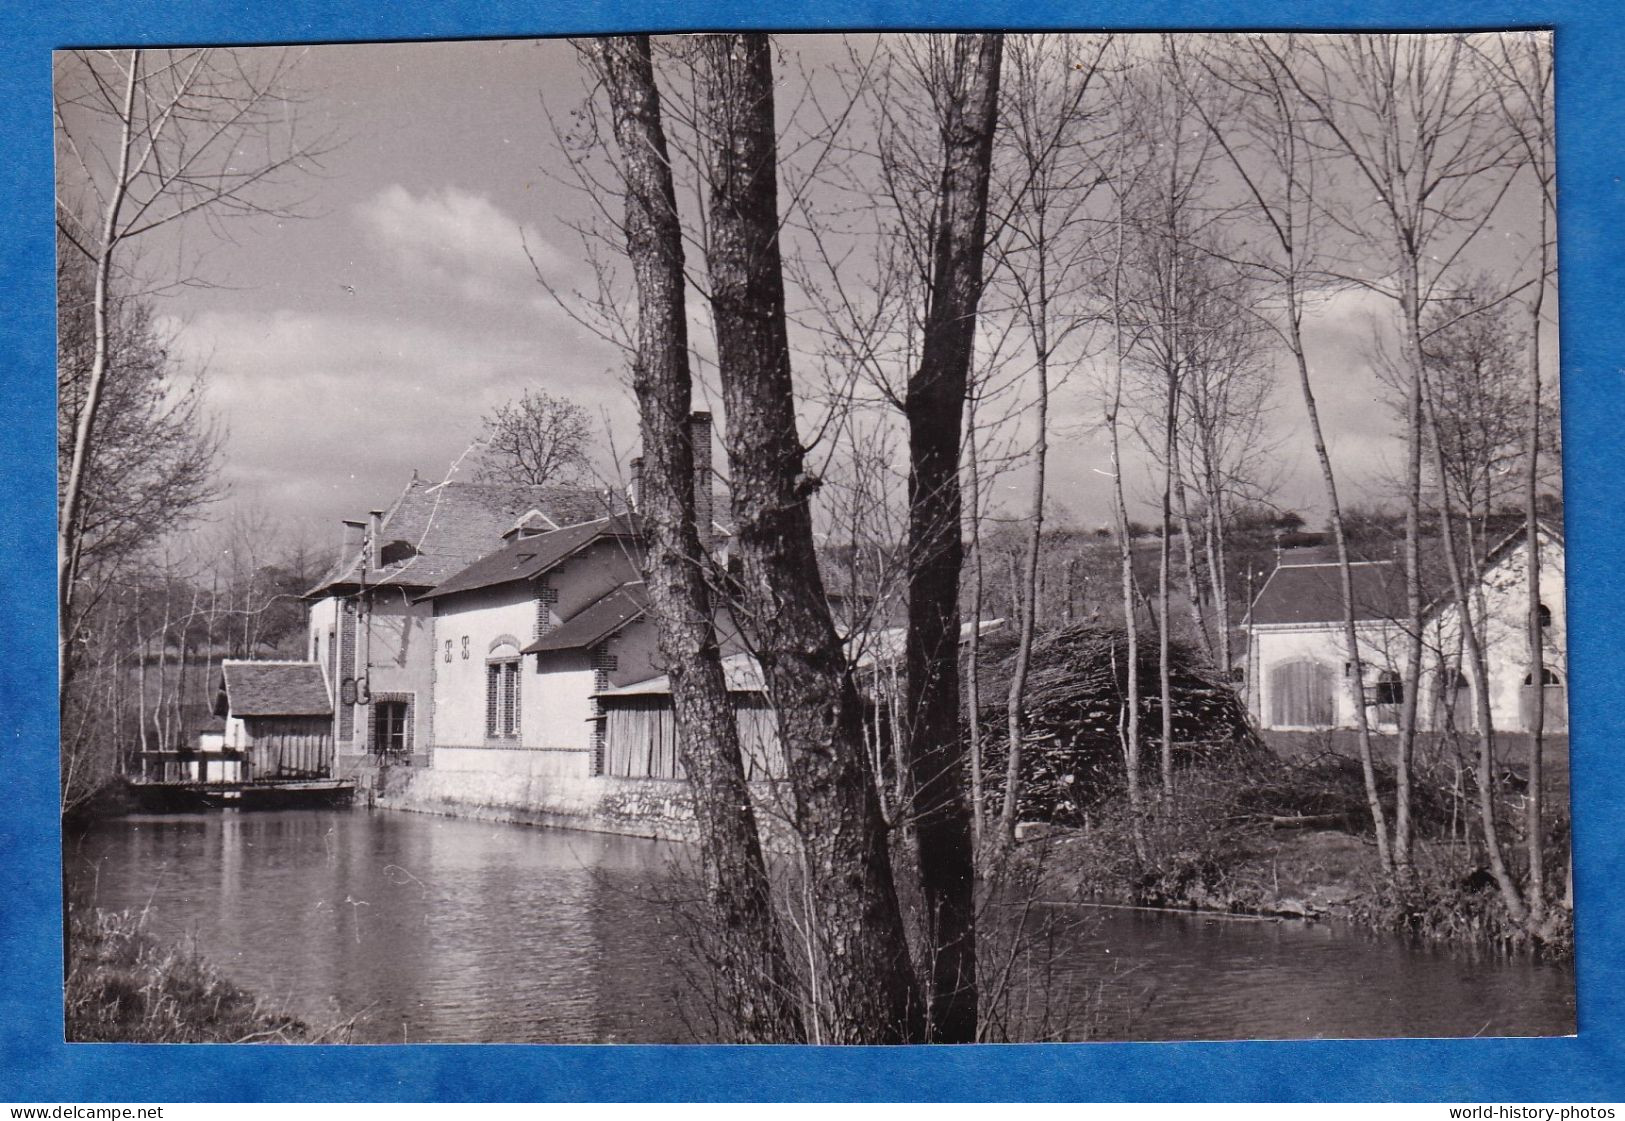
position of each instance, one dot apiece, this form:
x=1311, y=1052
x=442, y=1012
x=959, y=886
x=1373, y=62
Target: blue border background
x=36, y=1066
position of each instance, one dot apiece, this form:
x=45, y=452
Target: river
x=431, y=929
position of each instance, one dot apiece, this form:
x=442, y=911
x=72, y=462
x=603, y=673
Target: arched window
x=1553, y=697
x=1545, y=614
x=1390, y=688
x=502, y=689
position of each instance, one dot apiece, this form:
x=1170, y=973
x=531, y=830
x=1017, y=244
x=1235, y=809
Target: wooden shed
x=640, y=733
x=279, y=715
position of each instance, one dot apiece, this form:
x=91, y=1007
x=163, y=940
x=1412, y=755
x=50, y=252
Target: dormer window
x=395, y=552
x=532, y=524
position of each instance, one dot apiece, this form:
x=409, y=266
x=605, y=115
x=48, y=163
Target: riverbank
x=1291, y=838
x=123, y=986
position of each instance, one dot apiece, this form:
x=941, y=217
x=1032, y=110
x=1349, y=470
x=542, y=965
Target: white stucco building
x=1299, y=674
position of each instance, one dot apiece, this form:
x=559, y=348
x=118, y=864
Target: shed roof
x=451, y=524
x=530, y=557
x=596, y=622
x=742, y=672
x=1312, y=593
x=274, y=689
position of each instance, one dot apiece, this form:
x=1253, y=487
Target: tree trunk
x=1029, y=583
x=1164, y=624
x=859, y=952
x=1410, y=303
x=69, y=523
x=973, y=662
x=752, y=969
x=1481, y=694
x=934, y=405
x=1534, y=827
x=1345, y=580
x=1193, y=586
x=1125, y=558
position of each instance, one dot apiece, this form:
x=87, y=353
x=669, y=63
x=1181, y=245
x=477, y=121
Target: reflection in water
x=438, y=929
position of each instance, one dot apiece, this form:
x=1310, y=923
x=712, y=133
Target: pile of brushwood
x=1075, y=719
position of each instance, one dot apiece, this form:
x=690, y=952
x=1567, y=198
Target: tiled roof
x=1312, y=593
x=532, y=556
x=452, y=524
x=275, y=689
x=596, y=622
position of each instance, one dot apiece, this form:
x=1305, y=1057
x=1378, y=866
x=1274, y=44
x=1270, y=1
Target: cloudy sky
x=358, y=343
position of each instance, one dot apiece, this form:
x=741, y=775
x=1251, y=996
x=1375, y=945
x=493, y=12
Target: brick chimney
x=699, y=436
x=375, y=536
x=353, y=534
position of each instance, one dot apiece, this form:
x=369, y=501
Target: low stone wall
x=538, y=787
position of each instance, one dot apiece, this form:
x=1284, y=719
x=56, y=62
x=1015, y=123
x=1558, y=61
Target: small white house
x=1503, y=603
x=1299, y=675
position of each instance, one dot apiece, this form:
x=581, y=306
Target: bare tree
x=1413, y=122
x=147, y=139
x=934, y=405
x=1519, y=65
x=1169, y=286
x=539, y=439
x=1044, y=251
x=751, y=964
x=1265, y=140
x=865, y=986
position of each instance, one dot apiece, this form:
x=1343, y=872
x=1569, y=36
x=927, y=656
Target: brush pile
x=1075, y=718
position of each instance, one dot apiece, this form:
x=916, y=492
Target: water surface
x=439, y=929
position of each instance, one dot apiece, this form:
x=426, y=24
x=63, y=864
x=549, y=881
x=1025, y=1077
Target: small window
x=1545, y=614
x=396, y=551
x=502, y=699
x=1547, y=677
x=1390, y=689
x=392, y=728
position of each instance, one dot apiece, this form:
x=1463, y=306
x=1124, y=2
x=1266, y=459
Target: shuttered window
x=502, y=699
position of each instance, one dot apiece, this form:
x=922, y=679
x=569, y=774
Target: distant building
x=368, y=628
x=278, y=721
x=1299, y=675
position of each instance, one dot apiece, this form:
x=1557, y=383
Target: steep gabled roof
x=1494, y=556
x=1312, y=593
x=596, y=622
x=451, y=524
x=274, y=689
x=530, y=557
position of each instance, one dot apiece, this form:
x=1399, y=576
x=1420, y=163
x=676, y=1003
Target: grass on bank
x=124, y=986
x=1217, y=845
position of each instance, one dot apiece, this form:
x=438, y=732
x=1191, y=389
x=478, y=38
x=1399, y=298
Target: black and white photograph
x=870, y=538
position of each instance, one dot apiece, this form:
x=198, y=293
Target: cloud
x=331, y=412
x=464, y=243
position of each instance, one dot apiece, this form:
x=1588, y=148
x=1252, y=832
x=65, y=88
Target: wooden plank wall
x=640, y=739
x=289, y=747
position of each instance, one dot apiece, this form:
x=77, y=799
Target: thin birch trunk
x=1481, y=695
